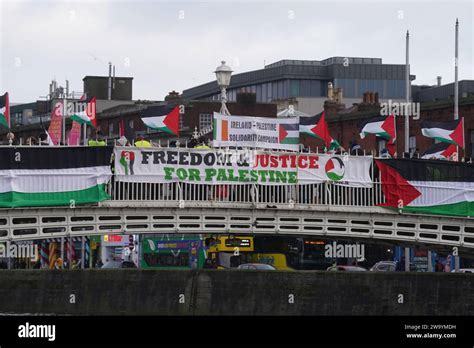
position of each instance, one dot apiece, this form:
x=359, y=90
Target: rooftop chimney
x=439, y=80
x=364, y=97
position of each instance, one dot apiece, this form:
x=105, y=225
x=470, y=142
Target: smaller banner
x=158, y=165
x=256, y=132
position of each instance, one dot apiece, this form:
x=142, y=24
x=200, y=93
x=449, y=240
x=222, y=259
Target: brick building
x=344, y=124
x=197, y=116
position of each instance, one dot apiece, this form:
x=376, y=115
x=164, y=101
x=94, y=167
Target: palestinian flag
x=53, y=176
x=288, y=133
x=167, y=123
x=440, y=151
x=85, y=112
x=451, y=132
x=316, y=127
x=4, y=111
x=432, y=187
x=381, y=126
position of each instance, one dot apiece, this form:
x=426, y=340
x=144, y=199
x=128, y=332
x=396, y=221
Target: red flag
x=321, y=130
x=172, y=120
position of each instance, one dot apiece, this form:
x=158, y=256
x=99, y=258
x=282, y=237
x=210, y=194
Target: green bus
x=173, y=252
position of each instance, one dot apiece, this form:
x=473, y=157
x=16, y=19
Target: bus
x=228, y=251
x=173, y=252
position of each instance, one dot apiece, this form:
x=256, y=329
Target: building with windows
x=304, y=83
x=344, y=124
x=197, y=117
x=434, y=93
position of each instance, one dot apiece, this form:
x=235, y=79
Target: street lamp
x=223, y=73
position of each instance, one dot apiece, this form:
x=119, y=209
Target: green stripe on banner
x=290, y=141
x=456, y=209
x=94, y=194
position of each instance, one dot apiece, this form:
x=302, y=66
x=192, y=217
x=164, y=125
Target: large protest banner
x=158, y=165
x=256, y=132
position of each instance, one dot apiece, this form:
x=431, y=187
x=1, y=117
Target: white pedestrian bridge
x=325, y=210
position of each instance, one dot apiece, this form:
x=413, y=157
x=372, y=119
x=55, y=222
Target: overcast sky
x=177, y=45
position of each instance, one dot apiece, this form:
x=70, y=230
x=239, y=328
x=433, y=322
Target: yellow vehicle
x=276, y=260
x=228, y=251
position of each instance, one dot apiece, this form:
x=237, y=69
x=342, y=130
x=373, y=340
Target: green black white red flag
x=53, y=176
x=316, y=127
x=167, y=123
x=441, y=151
x=451, y=132
x=5, y=111
x=425, y=186
x=381, y=126
x=85, y=112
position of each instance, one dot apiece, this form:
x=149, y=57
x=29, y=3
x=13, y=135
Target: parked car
x=464, y=270
x=118, y=264
x=257, y=266
x=346, y=268
x=384, y=266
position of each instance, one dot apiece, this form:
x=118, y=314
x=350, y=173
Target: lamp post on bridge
x=223, y=73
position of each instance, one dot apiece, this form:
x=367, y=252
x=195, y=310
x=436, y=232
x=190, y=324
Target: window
x=412, y=144
x=382, y=144
x=472, y=143
x=205, y=121
x=294, y=88
x=111, y=130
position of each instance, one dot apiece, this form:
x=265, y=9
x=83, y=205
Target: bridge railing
x=327, y=193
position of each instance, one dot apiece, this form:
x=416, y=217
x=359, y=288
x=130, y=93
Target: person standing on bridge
x=99, y=140
x=141, y=142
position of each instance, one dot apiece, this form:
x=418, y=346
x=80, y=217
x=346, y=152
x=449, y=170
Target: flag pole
x=407, y=86
x=84, y=126
x=9, y=115
x=64, y=122
x=456, y=108
x=10, y=140
x=456, y=82
x=407, y=125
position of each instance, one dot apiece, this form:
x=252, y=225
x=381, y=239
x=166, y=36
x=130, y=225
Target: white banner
x=158, y=165
x=256, y=132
